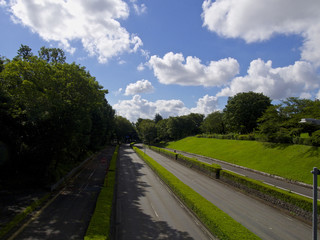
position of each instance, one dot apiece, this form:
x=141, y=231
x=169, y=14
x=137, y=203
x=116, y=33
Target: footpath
x=279, y=182
x=67, y=212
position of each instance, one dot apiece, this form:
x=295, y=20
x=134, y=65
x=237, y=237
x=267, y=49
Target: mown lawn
x=289, y=161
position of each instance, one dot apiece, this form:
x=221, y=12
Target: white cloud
x=2, y=3
x=141, y=86
x=277, y=83
x=139, y=9
x=255, y=21
x=206, y=105
x=95, y=23
x=118, y=92
x=142, y=108
x=140, y=67
x=175, y=69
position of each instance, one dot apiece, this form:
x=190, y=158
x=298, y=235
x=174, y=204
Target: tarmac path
x=68, y=215
x=299, y=188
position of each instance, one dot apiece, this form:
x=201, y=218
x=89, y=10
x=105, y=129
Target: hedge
x=219, y=223
x=296, y=200
x=100, y=224
x=209, y=169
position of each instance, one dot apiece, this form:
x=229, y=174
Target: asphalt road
x=68, y=215
x=145, y=207
x=305, y=189
x=263, y=220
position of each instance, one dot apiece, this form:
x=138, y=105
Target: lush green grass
x=99, y=226
x=219, y=223
x=289, y=161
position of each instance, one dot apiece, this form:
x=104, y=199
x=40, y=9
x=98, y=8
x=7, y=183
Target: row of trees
x=245, y=113
x=52, y=114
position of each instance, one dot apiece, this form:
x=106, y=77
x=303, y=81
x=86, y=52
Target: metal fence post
x=315, y=173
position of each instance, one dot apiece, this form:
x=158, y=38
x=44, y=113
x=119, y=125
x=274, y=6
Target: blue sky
x=175, y=57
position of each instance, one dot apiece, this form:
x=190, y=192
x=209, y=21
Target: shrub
x=316, y=138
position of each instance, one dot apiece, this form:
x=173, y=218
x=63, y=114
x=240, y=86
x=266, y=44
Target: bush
x=285, y=196
x=316, y=138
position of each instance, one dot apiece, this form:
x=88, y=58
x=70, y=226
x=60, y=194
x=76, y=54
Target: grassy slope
x=289, y=161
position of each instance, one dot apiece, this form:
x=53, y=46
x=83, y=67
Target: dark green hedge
x=212, y=170
x=286, y=196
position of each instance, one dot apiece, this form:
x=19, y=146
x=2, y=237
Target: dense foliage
x=51, y=114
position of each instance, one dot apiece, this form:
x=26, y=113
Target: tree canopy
x=243, y=110
x=51, y=113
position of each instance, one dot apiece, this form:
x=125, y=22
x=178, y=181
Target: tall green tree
x=214, y=123
x=243, y=110
x=52, y=114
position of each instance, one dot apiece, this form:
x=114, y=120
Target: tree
x=50, y=115
x=54, y=55
x=157, y=118
x=243, y=110
x=124, y=129
x=214, y=123
x=147, y=131
x=24, y=52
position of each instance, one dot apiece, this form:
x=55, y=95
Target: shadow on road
x=135, y=224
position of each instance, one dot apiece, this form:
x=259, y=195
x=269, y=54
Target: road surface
x=145, y=207
x=68, y=215
x=263, y=220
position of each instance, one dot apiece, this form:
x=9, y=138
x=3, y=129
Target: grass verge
x=294, y=162
x=21, y=216
x=100, y=223
x=219, y=223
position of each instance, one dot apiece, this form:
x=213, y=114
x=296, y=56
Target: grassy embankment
x=293, y=162
x=219, y=223
x=100, y=223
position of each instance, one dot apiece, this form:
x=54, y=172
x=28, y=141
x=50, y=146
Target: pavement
x=68, y=213
x=296, y=187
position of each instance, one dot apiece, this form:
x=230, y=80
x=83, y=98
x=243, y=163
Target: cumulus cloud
x=141, y=108
x=206, y=105
x=140, y=67
x=255, y=21
x=141, y=86
x=175, y=69
x=299, y=79
x=3, y=3
x=95, y=23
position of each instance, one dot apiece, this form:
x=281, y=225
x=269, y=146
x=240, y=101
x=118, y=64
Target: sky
x=176, y=57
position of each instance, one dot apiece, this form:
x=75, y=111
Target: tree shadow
x=134, y=223
x=68, y=216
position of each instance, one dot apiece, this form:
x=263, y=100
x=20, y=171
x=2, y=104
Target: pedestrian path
x=296, y=187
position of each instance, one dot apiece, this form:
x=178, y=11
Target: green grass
x=219, y=223
x=293, y=162
x=100, y=223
